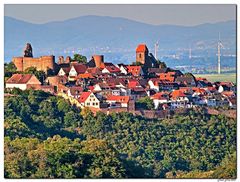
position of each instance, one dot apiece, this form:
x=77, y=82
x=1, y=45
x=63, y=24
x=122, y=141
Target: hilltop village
x=107, y=87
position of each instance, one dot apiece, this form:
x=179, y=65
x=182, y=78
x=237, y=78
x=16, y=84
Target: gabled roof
x=185, y=79
x=104, y=65
x=84, y=96
x=134, y=70
x=21, y=79
x=80, y=68
x=142, y=48
x=121, y=99
x=116, y=81
x=123, y=65
x=177, y=93
x=66, y=70
x=113, y=69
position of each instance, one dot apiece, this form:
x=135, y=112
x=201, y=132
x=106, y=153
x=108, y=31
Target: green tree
x=72, y=119
x=227, y=168
x=80, y=58
x=106, y=163
x=145, y=103
x=9, y=69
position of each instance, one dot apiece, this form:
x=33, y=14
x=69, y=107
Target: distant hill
x=116, y=38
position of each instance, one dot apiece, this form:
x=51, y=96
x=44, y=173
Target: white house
x=23, y=81
x=63, y=71
x=160, y=98
x=123, y=69
x=118, y=101
x=88, y=99
x=75, y=70
x=153, y=84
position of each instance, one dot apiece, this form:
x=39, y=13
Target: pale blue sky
x=187, y=15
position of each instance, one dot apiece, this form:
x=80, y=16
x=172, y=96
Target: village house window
x=88, y=104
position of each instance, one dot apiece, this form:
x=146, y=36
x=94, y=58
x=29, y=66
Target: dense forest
x=46, y=137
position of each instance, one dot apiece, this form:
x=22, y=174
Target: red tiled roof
x=198, y=90
x=84, y=96
x=142, y=48
x=95, y=70
x=85, y=75
x=116, y=81
x=134, y=70
x=66, y=70
x=80, y=68
x=159, y=96
x=112, y=69
x=169, y=76
x=19, y=78
x=121, y=99
x=133, y=84
x=91, y=88
x=177, y=93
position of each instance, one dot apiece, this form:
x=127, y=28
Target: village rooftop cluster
x=107, y=87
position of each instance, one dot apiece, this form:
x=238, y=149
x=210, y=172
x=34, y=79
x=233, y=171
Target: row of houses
x=100, y=85
x=107, y=90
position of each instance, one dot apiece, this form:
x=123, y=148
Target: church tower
x=141, y=53
x=142, y=56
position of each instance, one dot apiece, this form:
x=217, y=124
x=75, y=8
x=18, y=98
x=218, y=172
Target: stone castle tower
x=142, y=56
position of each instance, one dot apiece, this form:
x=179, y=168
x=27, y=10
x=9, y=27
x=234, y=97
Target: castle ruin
x=43, y=63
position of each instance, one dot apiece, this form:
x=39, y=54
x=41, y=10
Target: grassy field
x=215, y=77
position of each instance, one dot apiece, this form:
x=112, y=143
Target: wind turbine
x=156, y=49
x=220, y=45
x=190, y=52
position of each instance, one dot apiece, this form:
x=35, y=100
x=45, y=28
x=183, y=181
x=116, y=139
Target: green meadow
x=216, y=77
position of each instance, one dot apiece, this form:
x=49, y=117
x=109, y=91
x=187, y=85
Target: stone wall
x=42, y=63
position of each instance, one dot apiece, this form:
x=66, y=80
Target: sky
x=187, y=15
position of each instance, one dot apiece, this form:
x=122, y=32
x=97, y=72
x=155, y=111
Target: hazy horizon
x=153, y=14
x=118, y=17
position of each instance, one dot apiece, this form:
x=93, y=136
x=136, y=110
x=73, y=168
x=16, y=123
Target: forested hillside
x=46, y=137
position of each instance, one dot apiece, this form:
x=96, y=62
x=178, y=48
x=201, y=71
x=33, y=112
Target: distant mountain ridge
x=109, y=36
